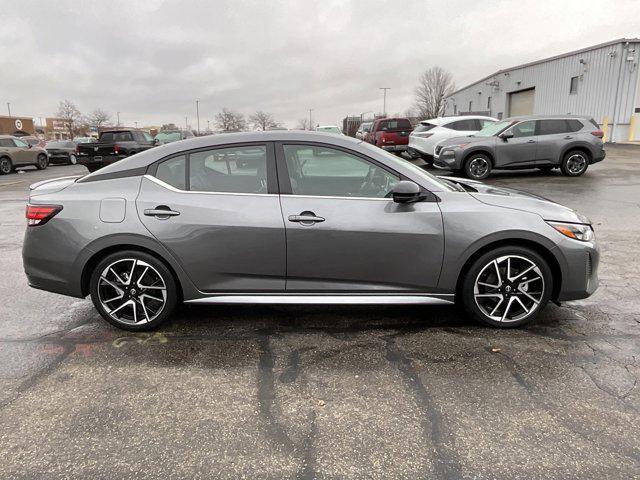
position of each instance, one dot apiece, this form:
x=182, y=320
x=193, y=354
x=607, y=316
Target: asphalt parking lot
x=331, y=392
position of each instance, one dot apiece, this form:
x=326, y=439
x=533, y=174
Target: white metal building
x=600, y=81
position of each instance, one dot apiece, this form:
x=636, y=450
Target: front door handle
x=568, y=137
x=308, y=218
x=162, y=212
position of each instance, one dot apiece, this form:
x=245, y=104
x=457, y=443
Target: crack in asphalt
x=445, y=464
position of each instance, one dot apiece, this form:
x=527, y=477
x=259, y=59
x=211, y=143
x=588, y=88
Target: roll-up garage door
x=521, y=103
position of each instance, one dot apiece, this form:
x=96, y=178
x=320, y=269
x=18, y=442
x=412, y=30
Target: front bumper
x=580, y=269
x=448, y=159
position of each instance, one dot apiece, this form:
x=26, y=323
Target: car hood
x=465, y=139
x=520, y=200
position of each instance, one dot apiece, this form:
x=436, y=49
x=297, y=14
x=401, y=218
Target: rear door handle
x=306, y=217
x=160, y=212
x=568, y=137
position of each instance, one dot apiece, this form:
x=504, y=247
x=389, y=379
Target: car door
x=218, y=212
x=23, y=154
x=345, y=233
x=553, y=136
x=519, y=150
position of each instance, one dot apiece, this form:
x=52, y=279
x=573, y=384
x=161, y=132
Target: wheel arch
x=539, y=248
x=484, y=151
x=96, y=252
x=582, y=147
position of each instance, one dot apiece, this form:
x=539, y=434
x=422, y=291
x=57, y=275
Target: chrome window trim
x=177, y=190
x=338, y=197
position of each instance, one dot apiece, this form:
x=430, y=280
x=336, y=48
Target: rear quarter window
x=424, y=127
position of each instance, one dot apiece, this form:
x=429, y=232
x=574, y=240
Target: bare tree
x=99, y=118
x=434, y=85
x=262, y=121
x=303, y=124
x=70, y=115
x=230, y=121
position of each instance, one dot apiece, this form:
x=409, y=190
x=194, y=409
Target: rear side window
x=6, y=142
x=551, y=127
x=423, y=127
x=574, y=125
x=463, y=125
x=235, y=170
x=173, y=172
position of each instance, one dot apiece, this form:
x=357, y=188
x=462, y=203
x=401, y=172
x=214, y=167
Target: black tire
x=6, y=166
x=73, y=159
x=93, y=168
x=137, y=310
x=477, y=166
x=42, y=162
x=521, y=258
x=574, y=163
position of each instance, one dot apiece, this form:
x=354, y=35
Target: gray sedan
x=311, y=218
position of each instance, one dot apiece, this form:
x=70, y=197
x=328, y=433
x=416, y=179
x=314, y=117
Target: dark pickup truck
x=113, y=145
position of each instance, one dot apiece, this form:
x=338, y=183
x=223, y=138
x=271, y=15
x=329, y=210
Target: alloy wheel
x=42, y=162
x=478, y=167
x=5, y=166
x=576, y=163
x=509, y=288
x=132, y=291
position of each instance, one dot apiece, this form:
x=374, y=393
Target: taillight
x=116, y=149
x=597, y=133
x=41, y=214
x=77, y=150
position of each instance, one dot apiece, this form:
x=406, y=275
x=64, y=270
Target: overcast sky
x=151, y=60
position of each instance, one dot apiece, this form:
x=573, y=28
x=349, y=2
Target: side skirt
x=316, y=299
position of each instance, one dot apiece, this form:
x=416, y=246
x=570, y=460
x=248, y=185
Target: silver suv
x=570, y=143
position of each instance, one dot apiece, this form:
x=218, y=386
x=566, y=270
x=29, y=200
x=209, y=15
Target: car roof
x=546, y=117
x=137, y=164
x=327, y=126
x=443, y=120
x=8, y=136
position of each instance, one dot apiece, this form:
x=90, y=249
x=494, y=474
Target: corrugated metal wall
x=605, y=76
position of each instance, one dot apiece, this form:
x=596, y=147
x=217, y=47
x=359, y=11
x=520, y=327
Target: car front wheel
x=507, y=287
x=133, y=290
x=477, y=166
x=72, y=159
x=42, y=162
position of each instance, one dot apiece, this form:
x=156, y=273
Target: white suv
x=428, y=133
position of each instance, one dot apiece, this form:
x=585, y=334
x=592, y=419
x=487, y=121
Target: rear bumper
x=59, y=157
x=104, y=160
x=394, y=148
x=599, y=157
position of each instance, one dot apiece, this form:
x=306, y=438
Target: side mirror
x=506, y=135
x=156, y=141
x=29, y=145
x=406, y=191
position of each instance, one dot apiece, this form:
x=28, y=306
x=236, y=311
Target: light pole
x=198, y=115
x=136, y=123
x=310, y=122
x=9, y=108
x=118, y=115
x=186, y=124
x=208, y=127
x=384, y=101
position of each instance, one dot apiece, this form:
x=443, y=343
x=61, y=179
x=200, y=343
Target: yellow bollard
x=632, y=128
x=605, y=128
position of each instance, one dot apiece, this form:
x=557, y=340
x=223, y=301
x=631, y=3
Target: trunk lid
x=51, y=186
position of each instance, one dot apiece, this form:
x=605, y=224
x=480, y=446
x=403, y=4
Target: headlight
x=577, y=231
x=453, y=147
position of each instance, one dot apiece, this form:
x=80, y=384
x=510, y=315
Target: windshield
x=417, y=170
x=169, y=137
x=492, y=129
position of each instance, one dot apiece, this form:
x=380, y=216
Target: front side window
x=524, y=129
x=234, y=170
x=323, y=171
x=20, y=143
x=172, y=171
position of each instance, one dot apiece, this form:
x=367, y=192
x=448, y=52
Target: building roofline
x=548, y=59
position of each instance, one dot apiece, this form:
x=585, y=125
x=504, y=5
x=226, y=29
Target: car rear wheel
x=477, y=166
x=42, y=162
x=5, y=166
x=507, y=287
x=72, y=159
x=574, y=163
x=133, y=290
